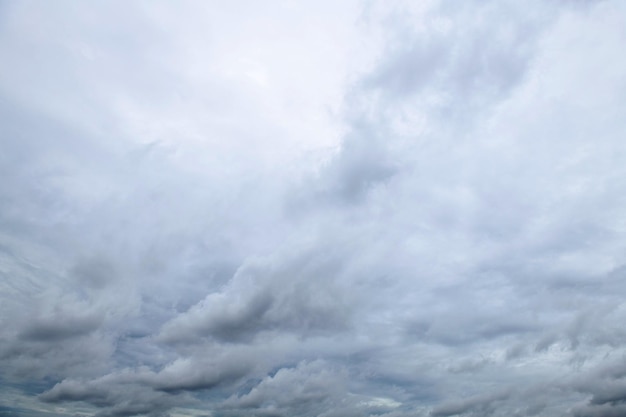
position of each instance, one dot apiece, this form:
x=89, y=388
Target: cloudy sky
x=313, y=208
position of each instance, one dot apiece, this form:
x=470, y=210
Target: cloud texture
x=393, y=209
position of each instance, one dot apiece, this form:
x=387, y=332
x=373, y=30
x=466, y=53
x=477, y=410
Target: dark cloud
x=143, y=391
x=479, y=405
x=58, y=327
x=606, y=386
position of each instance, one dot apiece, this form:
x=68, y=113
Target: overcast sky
x=313, y=208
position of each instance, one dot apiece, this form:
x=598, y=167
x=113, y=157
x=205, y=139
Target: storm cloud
x=370, y=208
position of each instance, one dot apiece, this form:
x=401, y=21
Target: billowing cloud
x=391, y=209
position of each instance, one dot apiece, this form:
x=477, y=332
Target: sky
x=313, y=208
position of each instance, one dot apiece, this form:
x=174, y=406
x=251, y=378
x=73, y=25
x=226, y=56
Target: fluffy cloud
x=390, y=209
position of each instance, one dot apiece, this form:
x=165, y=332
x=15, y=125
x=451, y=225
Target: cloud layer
x=379, y=208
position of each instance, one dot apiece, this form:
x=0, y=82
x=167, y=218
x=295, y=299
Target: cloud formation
x=392, y=209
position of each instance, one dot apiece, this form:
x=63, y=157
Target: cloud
x=292, y=390
x=56, y=328
x=298, y=296
x=144, y=391
x=391, y=209
x=606, y=385
x=483, y=405
x=310, y=388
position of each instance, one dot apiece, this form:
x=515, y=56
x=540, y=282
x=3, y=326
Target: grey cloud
x=291, y=390
x=515, y=351
x=192, y=374
x=95, y=273
x=310, y=388
x=144, y=391
x=455, y=62
x=36, y=360
x=469, y=365
x=480, y=405
x=605, y=410
x=77, y=391
x=606, y=386
x=59, y=327
x=360, y=166
x=301, y=296
x=238, y=325
x=454, y=330
x=168, y=247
